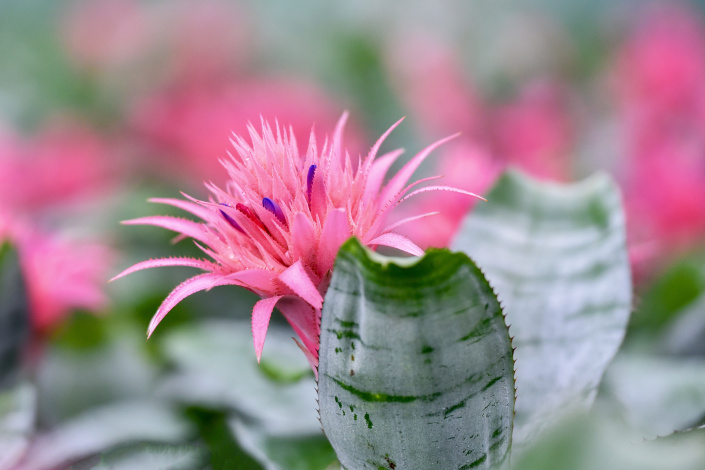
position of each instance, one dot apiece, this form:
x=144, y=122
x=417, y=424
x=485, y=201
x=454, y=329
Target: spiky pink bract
x=276, y=227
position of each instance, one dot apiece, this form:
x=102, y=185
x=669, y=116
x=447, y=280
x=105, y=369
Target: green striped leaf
x=416, y=367
x=556, y=255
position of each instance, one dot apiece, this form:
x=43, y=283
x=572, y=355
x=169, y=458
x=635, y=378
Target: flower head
x=62, y=164
x=276, y=227
x=61, y=274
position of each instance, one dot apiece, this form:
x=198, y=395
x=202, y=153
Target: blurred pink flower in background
x=103, y=34
x=202, y=40
x=62, y=163
x=463, y=165
x=666, y=194
x=190, y=83
x=188, y=40
x=188, y=128
x=534, y=131
x=659, y=81
x=431, y=83
x=659, y=78
x=61, y=274
x=660, y=67
x=277, y=226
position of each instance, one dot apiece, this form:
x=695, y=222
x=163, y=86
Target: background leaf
x=216, y=367
x=14, y=315
x=416, y=367
x=114, y=370
x=685, y=335
x=17, y=415
x=17, y=399
x=598, y=442
x=103, y=428
x=557, y=257
x=284, y=452
x=658, y=395
x=680, y=286
x=272, y=405
x=151, y=457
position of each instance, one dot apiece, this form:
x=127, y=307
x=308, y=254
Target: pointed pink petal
x=195, y=209
x=335, y=231
x=303, y=238
x=259, y=280
x=338, y=136
x=312, y=359
x=399, y=242
x=186, y=227
x=381, y=217
x=183, y=290
x=377, y=173
x=296, y=279
x=398, y=181
x=418, y=182
x=304, y=319
x=158, y=263
x=178, y=238
x=261, y=313
x=407, y=220
x=319, y=199
x=378, y=144
x=441, y=188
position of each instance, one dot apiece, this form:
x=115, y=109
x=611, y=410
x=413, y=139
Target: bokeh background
x=106, y=103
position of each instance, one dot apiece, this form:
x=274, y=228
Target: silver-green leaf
x=272, y=404
x=556, y=255
x=416, y=367
x=304, y=451
x=106, y=427
x=216, y=367
x=152, y=457
x=17, y=419
x=658, y=395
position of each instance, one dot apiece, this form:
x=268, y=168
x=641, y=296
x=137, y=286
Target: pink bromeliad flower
x=63, y=163
x=61, y=274
x=276, y=227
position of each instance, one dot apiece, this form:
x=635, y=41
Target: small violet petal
x=274, y=208
x=230, y=220
x=309, y=181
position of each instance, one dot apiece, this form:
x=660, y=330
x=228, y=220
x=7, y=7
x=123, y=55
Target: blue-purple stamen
x=230, y=220
x=274, y=208
x=309, y=181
